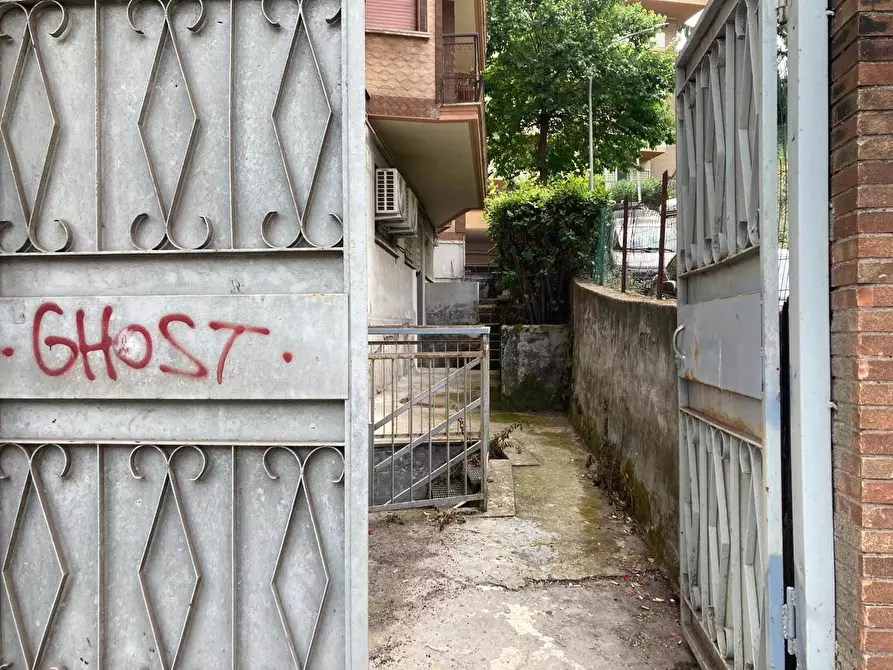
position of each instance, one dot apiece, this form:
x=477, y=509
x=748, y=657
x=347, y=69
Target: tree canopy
x=540, y=55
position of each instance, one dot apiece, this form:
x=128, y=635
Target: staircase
x=491, y=315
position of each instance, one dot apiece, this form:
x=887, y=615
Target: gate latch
x=789, y=619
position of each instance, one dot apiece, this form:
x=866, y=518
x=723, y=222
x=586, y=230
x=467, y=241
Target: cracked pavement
x=565, y=583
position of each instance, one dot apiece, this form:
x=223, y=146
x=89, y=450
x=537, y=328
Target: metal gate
x=182, y=329
x=429, y=416
x=727, y=342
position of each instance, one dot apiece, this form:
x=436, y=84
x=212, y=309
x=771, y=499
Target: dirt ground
x=564, y=583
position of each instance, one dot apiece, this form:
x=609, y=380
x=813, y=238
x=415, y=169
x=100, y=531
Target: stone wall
x=624, y=403
x=535, y=367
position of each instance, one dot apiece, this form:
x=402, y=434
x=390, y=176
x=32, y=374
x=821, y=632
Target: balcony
x=424, y=60
x=460, y=78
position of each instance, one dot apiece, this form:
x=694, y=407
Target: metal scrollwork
x=31, y=45
x=170, y=484
x=34, y=482
x=301, y=209
x=168, y=210
x=302, y=485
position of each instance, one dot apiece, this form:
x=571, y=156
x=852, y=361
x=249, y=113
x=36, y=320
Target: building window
x=400, y=15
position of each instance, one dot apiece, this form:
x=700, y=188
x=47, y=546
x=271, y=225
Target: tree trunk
x=542, y=149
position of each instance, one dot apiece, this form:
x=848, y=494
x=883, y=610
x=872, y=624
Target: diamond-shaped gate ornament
x=301, y=208
x=170, y=486
x=32, y=655
x=168, y=209
x=30, y=208
x=300, y=664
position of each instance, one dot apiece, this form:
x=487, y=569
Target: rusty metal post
x=623, y=249
x=663, y=234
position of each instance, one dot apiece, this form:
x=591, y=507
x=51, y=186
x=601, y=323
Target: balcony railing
x=461, y=74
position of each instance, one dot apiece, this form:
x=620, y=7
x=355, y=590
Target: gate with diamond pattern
x=182, y=334
x=727, y=340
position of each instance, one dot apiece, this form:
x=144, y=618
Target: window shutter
x=392, y=14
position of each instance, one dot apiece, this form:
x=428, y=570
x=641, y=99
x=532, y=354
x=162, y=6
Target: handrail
x=463, y=83
x=429, y=330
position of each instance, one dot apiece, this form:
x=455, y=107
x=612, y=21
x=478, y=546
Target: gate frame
x=483, y=332
x=356, y=448
x=810, y=336
x=711, y=22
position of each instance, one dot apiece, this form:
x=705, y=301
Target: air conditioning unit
x=390, y=195
x=396, y=206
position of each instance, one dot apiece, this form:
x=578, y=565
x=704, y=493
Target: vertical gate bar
x=234, y=561
x=393, y=422
x=431, y=408
x=465, y=424
x=703, y=571
x=411, y=434
x=372, y=402
x=231, y=121
x=353, y=152
x=731, y=227
x=371, y=466
x=810, y=366
x=623, y=251
x=663, y=234
x=735, y=567
x=485, y=416
x=446, y=416
x=701, y=179
x=372, y=392
x=768, y=208
x=100, y=556
x=97, y=148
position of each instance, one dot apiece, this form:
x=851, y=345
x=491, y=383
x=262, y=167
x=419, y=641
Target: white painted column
x=810, y=338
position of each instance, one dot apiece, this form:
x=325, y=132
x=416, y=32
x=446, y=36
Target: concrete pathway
x=564, y=583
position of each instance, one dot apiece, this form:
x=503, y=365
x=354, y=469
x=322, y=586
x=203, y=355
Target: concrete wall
x=535, y=367
x=624, y=403
x=454, y=303
x=392, y=287
x=449, y=260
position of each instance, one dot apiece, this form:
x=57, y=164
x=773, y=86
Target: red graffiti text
x=120, y=346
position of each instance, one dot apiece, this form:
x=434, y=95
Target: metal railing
x=461, y=72
x=429, y=416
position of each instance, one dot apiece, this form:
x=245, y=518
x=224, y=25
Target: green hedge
x=545, y=235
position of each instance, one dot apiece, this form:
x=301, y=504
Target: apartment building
x=426, y=157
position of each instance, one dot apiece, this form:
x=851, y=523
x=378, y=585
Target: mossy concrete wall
x=535, y=367
x=453, y=303
x=624, y=404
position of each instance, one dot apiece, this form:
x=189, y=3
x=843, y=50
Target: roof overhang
x=646, y=155
x=680, y=10
x=441, y=159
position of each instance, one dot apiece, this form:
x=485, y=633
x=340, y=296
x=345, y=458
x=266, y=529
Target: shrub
x=545, y=235
x=651, y=192
x=621, y=190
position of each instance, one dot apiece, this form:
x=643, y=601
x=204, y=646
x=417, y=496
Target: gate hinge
x=789, y=619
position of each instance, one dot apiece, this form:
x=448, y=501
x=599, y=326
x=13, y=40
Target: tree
x=540, y=55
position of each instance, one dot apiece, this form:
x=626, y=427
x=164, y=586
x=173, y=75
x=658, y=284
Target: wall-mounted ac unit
x=396, y=206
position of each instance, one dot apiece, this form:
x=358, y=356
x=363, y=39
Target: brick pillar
x=861, y=120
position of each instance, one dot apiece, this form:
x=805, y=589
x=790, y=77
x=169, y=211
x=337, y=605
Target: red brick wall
x=862, y=328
